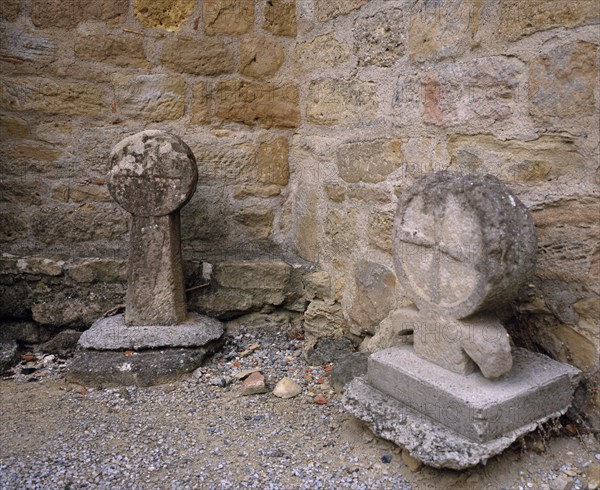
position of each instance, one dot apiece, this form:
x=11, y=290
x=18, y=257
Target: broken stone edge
x=428, y=441
x=112, y=333
x=146, y=368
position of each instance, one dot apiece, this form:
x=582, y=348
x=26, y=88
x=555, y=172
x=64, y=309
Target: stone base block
x=113, y=334
x=453, y=421
x=146, y=368
x=155, y=354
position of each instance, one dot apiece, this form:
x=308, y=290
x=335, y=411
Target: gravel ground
x=200, y=433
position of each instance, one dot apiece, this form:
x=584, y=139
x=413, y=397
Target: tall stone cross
x=154, y=175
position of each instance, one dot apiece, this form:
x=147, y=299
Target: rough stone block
x=332, y=102
x=369, y=161
x=473, y=406
x=198, y=56
x=374, y=296
x=40, y=266
x=328, y=9
x=10, y=10
x=280, y=17
x=68, y=13
x=324, y=319
x=201, y=107
x=149, y=368
x=265, y=104
x=317, y=285
x=548, y=158
x=327, y=350
x=169, y=15
x=396, y=329
x=518, y=19
x=381, y=224
x=118, y=50
x=14, y=43
x=378, y=40
x=256, y=220
x=264, y=191
x=322, y=53
x=13, y=127
x=113, y=333
x=98, y=270
x=562, y=82
x=253, y=274
x=228, y=16
x=260, y=57
x=273, y=165
x=150, y=97
x=53, y=97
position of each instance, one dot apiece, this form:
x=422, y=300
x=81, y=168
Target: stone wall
x=308, y=119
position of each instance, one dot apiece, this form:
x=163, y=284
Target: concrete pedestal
x=452, y=421
x=113, y=353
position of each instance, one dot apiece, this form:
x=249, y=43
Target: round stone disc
x=153, y=173
x=462, y=244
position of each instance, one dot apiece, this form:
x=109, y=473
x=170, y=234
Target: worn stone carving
x=463, y=246
x=153, y=176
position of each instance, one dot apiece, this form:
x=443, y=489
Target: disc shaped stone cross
x=153, y=176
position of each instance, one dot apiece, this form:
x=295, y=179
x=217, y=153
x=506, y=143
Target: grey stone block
x=148, y=368
x=428, y=441
x=113, y=334
x=475, y=407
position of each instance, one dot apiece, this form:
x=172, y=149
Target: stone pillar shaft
x=155, y=293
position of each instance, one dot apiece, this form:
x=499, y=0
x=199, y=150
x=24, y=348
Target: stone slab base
x=430, y=442
x=145, y=368
x=473, y=406
x=113, y=334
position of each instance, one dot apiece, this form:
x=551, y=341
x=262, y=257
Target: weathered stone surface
x=28, y=158
x=323, y=319
x=462, y=244
x=228, y=16
x=260, y=57
x=256, y=220
x=40, y=266
x=432, y=443
x=53, y=97
x=68, y=13
x=548, y=158
x=287, y=388
x=374, y=296
x=437, y=31
x=306, y=225
x=332, y=102
x=381, y=224
x=62, y=344
x=14, y=43
x=150, y=97
x=264, y=191
x=154, y=174
x=198, y=56
x=25, y=332
x=225, y=161
x=18, y=192
x=265, y=104
x=118, y=50
x=98, y=270
x=341, y=236
x=253, y=274
x=280, y=17
x=485, y=90
x=396, y=329
x=521, y=19
x=473, y=406
x=254, y=384
x=113, y=333
x=163, y=14
x=317, y=285
x=13, y=127
x=273, y=165
x=326, y=9
x=457, y=345
x=369, y=161
x=562, y=82
x=368, y=194
x=378, y=40
x=227, y=303
x=10, y=10
x=147, y=368
x=88, y=193
x=567, y=232
x=328, y=350
x=322, y=53
x=348, y=368
x=59, y=225
x=12, y=227
x=201, y=108
x=9, y=354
